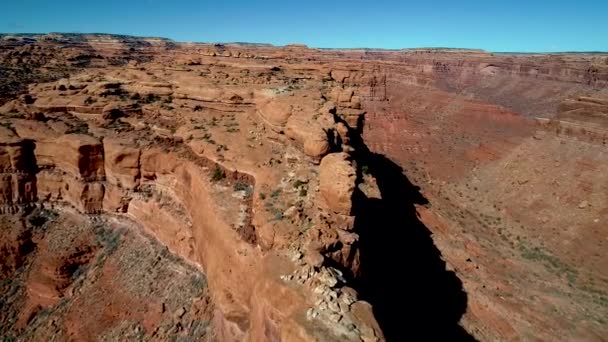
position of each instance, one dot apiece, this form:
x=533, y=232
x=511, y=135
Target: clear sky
x=505, y=25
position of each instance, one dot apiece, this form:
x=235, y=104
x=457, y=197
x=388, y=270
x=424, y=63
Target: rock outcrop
x=18, y=167
x=276, y=112
x=337, y=178
x=310, y=135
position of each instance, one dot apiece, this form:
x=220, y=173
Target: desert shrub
x=14, y=115
x=109, y=238
x=240, y=186
x=41, y=216
x=89, y=101
x=118, y=125
x=8, y=125
x=218, y=175
x=277, y=214
x=365, y=169
x=151, y=98
x=198, y=108
x=80, y=128
x=28, y=99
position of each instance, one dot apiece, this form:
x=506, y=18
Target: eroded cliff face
x=183, y=216
x=269, y=169
x=266, y=282
x=18, y=169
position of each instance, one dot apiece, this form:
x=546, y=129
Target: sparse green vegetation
x=8, y=125
x=89, y=101
x=365, y=169
x=115, y=92
x=41, y=216
x=151, y=98
x=550, y=262
x=277, y=214
x=146, y=191
x=240, y=186
x=218, y=175
x=118, y=125
x=79, y=128
x=243, y=186
x=108, y=238
x=14, y=115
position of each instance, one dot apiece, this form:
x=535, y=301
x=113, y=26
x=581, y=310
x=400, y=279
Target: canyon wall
x=169, y=192
x=269, y=167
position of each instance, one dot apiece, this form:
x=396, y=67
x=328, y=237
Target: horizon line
x=468, y=49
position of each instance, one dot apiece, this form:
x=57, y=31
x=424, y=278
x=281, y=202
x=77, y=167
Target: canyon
x=157, y=190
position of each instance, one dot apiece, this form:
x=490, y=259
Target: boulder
x=309, y=135
x=337, y=177
x=276, y=112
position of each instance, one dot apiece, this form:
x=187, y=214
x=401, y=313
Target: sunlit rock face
x=299, y=181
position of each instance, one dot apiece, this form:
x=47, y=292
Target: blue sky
x=507, y=25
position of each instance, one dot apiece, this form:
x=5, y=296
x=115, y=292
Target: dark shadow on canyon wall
x=402, y=273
